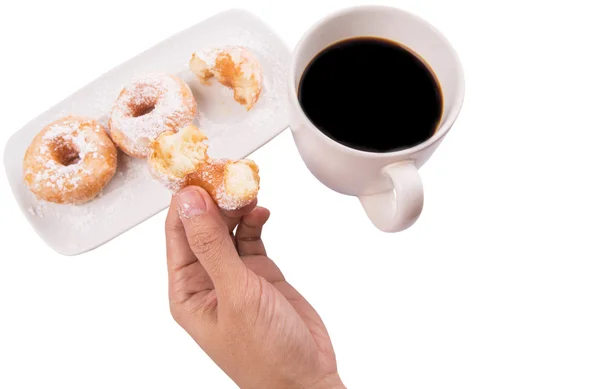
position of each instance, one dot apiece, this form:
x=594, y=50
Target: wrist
x=329, y=382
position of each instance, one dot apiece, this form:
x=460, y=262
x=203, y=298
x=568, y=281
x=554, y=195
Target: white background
x=496, y=286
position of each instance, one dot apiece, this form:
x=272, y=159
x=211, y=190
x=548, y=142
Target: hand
x=235, y=302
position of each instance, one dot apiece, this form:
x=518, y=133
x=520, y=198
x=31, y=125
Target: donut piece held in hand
x=233, y=66
x=179, y=159
x=147, y=107
x=70, y=161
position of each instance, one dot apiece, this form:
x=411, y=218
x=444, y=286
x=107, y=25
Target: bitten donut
x=180, y=159
x=70, y=161
x=233, y=66
x=147, y=107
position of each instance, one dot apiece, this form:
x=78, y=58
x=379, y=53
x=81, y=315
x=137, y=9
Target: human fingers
x=248, y=235
x=187, y=276
x=209, y=238
x=232, y=218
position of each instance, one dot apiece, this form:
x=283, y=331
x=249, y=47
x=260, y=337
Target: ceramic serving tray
x=133, y=196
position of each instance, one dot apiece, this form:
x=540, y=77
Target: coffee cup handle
x=400, y=207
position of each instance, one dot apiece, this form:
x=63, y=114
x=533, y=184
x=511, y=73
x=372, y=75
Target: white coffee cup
x=387, y=184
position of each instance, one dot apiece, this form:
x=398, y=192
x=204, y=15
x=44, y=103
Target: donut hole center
x=65, y=152
x=143, y=109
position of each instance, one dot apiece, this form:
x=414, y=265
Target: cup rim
x=442, y=130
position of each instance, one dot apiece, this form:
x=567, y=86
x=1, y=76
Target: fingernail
x=190, y=203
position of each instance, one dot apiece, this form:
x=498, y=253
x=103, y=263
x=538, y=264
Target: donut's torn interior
x=235, y=68
x=241, y=178
x=180, y=153
x=200, y=68
x=182, y=157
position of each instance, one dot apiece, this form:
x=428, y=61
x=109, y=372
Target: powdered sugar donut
x=233, y=66
x=174, y=155
x=232, y=184
x=180, y=159
x=70, y=161
x=147, y=107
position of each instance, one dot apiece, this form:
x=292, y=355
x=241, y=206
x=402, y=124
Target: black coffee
x=371, y=94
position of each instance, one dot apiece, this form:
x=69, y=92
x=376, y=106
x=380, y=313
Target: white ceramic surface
x=132, y=196
x=387, y=184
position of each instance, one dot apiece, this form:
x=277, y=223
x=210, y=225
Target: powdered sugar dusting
x=171, y=183
x=133, y=195
x=230, y=128
x=228, y=202
x=184, y=211
x=149, y=106
x=122, y=189
x=38, y=209
x=66, y=135
x=240, y=55
x=245, y=78
x=133, y=173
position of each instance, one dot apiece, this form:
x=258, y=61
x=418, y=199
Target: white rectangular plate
x=133, y=196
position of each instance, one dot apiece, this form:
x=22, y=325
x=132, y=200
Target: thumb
x=208, y=237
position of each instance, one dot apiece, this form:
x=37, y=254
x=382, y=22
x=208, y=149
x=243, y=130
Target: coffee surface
x=371, y=94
